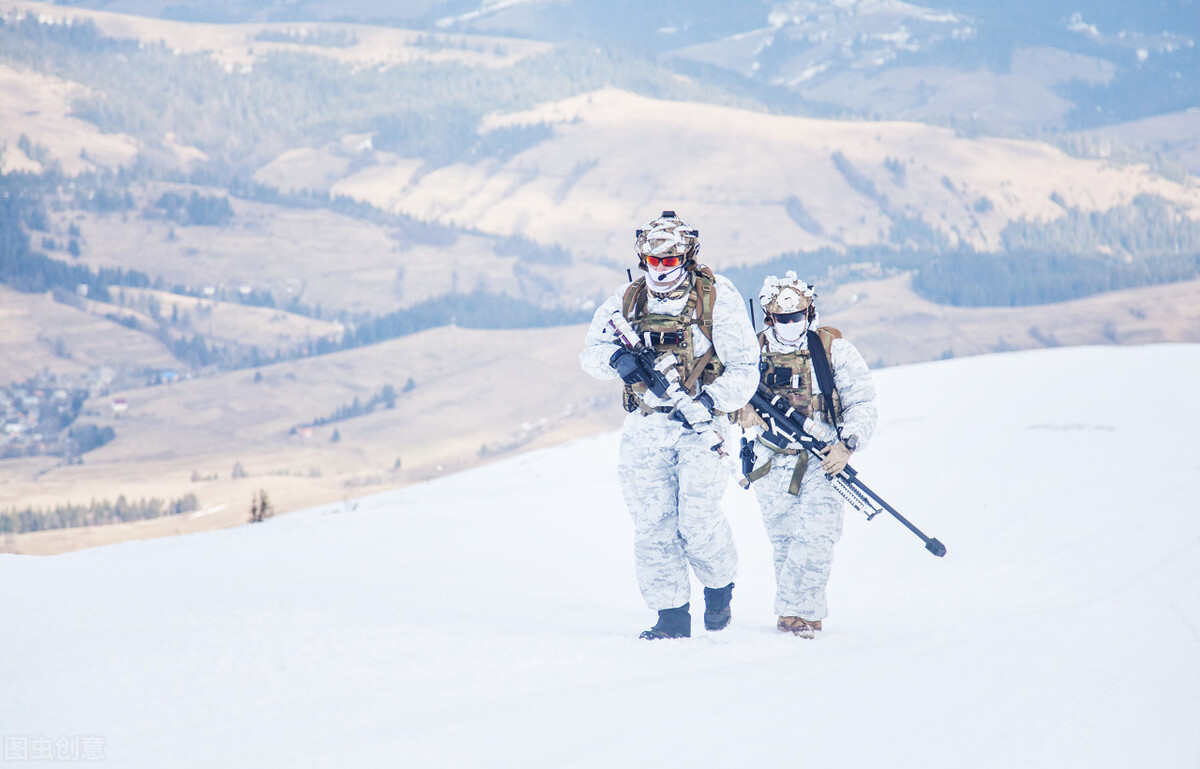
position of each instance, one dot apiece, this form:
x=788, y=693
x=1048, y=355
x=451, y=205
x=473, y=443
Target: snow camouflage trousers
x=803, y=530
x=672, y=483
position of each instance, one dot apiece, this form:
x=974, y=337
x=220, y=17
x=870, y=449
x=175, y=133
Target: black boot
x=672, y=623
x=716, y=607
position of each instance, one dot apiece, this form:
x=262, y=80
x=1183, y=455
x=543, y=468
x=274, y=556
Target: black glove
x=627, y=365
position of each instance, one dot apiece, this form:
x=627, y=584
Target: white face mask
x=790, y=333
x=666, y=279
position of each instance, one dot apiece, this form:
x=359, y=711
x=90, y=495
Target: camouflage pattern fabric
x=855, y=388
x=804, y=528
x=671, y=482
x=737, y=346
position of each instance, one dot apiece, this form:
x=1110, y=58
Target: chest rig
x=790, y=374
x=675, y=334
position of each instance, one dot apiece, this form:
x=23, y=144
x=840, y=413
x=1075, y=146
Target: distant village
x=38, y=414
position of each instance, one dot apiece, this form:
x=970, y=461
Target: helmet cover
x=668, y=235
x=780, y=296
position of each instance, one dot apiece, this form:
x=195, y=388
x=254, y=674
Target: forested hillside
x=418, y=127
x=243, y=117
x=438, y=117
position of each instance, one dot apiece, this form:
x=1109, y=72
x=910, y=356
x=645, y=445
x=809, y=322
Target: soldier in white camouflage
x=801, y=511
x=671, y=479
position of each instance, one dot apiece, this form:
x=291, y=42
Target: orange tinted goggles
x=664, y=261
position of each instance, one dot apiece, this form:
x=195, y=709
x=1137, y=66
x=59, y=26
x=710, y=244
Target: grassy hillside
x=311, y=255
x=475, y=396
x=760, y=185
x=554, y=141
x=242, y=100
x=38, y=333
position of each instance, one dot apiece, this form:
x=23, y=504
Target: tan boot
x=800, y=627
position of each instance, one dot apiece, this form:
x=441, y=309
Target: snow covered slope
x=490, y=618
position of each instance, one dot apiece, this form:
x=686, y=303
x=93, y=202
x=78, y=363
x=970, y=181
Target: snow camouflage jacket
x=852, y=377
x=732, y=336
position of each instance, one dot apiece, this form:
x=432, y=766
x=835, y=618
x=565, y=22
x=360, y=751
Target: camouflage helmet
x=786, y=295
x=668, y=235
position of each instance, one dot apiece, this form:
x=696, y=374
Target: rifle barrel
x=787, y=425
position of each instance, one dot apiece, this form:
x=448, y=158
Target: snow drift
x=491, y=618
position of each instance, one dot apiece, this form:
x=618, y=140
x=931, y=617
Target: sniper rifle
x=787, y=426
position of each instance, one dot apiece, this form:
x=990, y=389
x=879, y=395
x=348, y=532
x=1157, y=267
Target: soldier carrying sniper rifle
x=815, y=400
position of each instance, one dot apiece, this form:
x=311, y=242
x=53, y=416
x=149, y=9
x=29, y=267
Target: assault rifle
x=661, y=377
x=788, y=426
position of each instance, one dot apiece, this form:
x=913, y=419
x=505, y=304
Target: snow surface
x=490, y=618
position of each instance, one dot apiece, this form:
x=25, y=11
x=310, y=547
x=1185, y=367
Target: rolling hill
x=757, y=185
x=477, y=396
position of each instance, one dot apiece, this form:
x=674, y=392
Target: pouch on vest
x=674, y=334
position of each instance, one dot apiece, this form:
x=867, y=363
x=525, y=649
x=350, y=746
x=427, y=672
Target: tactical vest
x=791, y=375
x=674, y=334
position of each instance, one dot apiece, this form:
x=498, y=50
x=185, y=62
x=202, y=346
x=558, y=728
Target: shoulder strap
x=698, y=368
x=706, y=292
x=634, y=299
x=819, y=344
